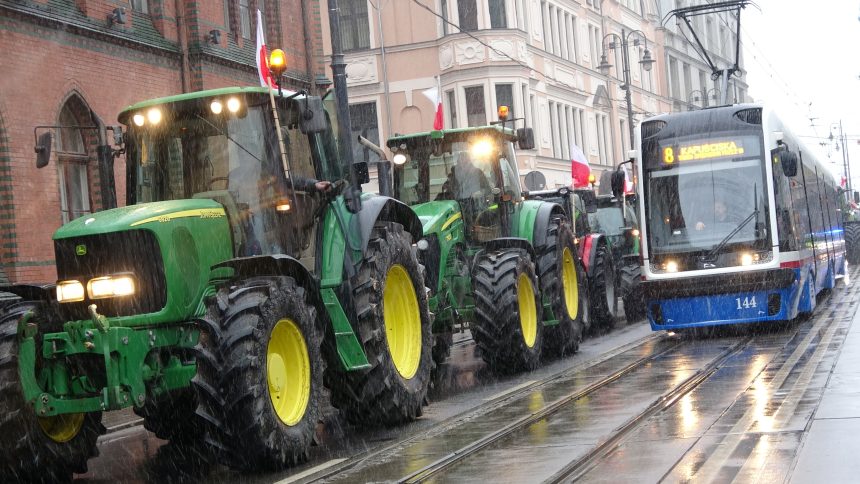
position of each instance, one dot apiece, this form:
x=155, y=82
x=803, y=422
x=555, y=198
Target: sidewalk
x=830, y=449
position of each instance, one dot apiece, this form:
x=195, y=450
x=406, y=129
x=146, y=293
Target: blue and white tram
x=740, y=221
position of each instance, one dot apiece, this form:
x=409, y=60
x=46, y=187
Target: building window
x=476, y=111
x=498, y=16
x=73, y=160
x=261, y=5
x=505, y=97
x=673, y=79
x=452, y=108
x=467, y=11
x=444, y=7
x=141, y=6
x=364, y=123
x=228, y=23
x=245, y=19
x=354, y=25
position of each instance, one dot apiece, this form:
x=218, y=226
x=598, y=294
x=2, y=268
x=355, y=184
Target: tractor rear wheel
x=394, y=327
x=562, y=283
x=507, y=328
x=259, y=374
x=634, y=303
x=603, y=291
x=852, y=242
x=38, y=449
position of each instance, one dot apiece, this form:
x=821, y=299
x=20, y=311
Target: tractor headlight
x=111, y=286
x=70, y=291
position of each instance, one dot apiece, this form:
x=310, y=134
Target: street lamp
x=845, y=165
x=624, y=40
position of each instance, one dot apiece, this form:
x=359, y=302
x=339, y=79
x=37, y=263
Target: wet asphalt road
x=630, y=406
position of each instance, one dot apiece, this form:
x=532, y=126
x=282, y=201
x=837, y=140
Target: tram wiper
x=754, y=215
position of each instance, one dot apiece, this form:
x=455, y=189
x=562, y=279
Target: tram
x=740, y=221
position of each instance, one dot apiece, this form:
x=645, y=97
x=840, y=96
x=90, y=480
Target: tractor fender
x=588, y=250
x=544, y=215
x=32, y=292
x=382, y=208
x=272, y=265
x=509, y=243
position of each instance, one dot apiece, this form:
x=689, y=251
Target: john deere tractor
x=505, y=266
x=222, y=298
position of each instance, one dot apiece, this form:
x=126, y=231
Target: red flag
x=262, y=55
x=579, y=167
x=434, y=94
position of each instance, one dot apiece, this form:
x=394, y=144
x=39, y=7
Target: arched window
x=73, y=162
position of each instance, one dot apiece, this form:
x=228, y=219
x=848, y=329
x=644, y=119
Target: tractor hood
x=437, y=216
x=139, y=216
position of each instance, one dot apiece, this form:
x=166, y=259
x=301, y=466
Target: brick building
x=79, y=62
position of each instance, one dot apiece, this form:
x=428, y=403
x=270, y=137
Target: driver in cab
x=721, y=215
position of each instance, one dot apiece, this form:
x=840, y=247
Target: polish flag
x=579, y=167
x=262, y=55
x=434, y=94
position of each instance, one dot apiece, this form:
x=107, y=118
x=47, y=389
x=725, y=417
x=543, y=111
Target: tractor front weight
x=122, y=365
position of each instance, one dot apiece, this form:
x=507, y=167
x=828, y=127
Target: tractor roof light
x=233, y=105
x=216, y=107
x=482, y=149
x=138, y=119
x=503, y=113
x=154, y=116
x=399, y=159
x=277, y=63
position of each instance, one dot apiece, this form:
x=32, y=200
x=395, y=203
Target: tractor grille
x=134, y=251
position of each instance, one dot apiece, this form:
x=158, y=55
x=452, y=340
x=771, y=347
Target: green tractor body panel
x=525, y=219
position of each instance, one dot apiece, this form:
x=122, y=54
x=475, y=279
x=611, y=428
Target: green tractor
x=851, y=225
x=505, y=266
x=224, y=296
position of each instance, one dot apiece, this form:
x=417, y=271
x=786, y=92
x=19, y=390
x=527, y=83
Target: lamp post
x=624, y=40
x=845, y=166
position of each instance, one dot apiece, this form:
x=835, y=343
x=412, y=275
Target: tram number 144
x=746, y=303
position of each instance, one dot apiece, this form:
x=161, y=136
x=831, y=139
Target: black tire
x=852, y=242
x=242, y=426
x=172, y=416
x=381, y=394
x=604, y=300
x=29, y=453
x=634, y=302
x=497, y=328
x=565, y=337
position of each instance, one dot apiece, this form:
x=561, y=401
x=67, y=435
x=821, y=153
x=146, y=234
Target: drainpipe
x=183, y=43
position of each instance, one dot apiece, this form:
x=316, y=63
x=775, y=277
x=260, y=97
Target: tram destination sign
x=673, y=151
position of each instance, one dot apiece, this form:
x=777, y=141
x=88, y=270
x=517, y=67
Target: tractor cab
x=226, y=148
x=474, y=167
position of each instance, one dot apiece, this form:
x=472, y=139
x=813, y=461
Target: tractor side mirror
x=525, y=138
x=43, y=149
x=788, y=160
x=313, y=119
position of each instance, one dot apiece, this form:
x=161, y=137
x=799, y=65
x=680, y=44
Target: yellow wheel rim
x=528, y=313
x=62, y=428
x=288, y=372
x=402, y=321
x=569, y=284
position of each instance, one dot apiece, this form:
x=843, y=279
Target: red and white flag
x=579, y=167
x=262, y=55
x=434, y=94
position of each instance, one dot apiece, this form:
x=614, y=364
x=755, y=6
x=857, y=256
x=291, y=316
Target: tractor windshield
x=458, y=168
x=188, y=150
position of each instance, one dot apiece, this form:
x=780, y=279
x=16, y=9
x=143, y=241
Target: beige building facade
x=539, y=57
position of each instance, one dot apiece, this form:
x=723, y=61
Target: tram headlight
x=671, y=266
x=746, y=259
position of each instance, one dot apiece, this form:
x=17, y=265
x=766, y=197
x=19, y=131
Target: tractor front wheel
x=634, y=303
x=259, y=374
x=37, y=448
x=507, y=329
x=394, y=327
